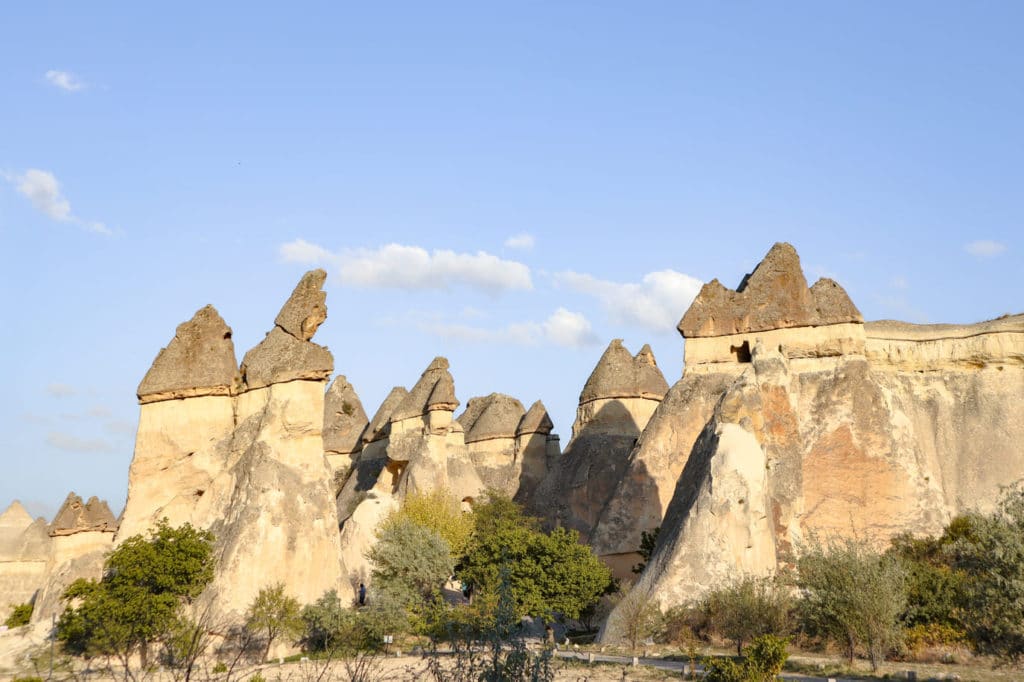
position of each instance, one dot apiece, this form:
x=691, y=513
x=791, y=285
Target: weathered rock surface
x=774, y=296
x=287, y=354
x=24, y=553
x=833, y=430
x=617, y=401
x=199, y=360
x=250, y=465
x=80, y=534
x=489, y=424
x=344, y=424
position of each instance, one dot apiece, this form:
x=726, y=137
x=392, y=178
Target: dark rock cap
x=344, y=418
x=380, y=425
x=536, y=420
x=306, y=308
x=774, y=296
x=494, y=416
x=75, y=517
x=619, y=374
x=434, y=391
x=287, y=354
x=199, y=360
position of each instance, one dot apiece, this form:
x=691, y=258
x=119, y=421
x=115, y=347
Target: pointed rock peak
x=379, y=426
x=15, y=516
x=646, y=356
x=438, y=363
x=199, y=360
x=619, y=374
x=344, y=418
x=494, y=416
x=287, y=354
x=774, y=296
x=434, y=391
x=306, y=309
x=76, y=517
x=536, y=420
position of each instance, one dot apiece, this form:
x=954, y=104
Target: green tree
x=647, y=541
x=989, y=550
x=639, y=617
x=853, y=595
x=438, y=511
x=21, y=614
x=747, y=608
x=274, y=614
x=145, y=584
x=410, y=562
x=548, y=572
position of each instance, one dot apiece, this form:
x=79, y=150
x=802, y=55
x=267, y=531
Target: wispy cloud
x=398, y=266
x=520, y=241
x=656, y=302
x=71, y=443
x=985, y=248
x=43, y=189
x=65, y=80
x=562, y=328
x=59, y=390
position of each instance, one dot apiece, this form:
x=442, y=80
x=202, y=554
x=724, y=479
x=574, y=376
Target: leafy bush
x=765, y=658
x=853, y=596
x=21, y=614
x=723, y=670
x=747, y=608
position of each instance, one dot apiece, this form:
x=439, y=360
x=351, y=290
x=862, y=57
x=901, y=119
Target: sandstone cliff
x=615, y=406
x=240, y=451
x=815, y=424
x=24, y=553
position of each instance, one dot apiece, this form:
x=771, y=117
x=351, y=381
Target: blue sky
x=511, y=185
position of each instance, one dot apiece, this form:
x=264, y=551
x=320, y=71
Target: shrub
x=747, y=608
x=21, y=614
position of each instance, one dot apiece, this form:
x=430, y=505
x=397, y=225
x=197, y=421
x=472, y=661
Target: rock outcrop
x=344, y=424
x=24, y=554
x=813, y=424
x=247, y=463
x=615, y=406
x=81, y=535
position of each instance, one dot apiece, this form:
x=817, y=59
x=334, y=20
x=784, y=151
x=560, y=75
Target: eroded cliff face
x=80, y=536
x=777, y=434
x=24, y=553
x=617, y=402
x=240, y=451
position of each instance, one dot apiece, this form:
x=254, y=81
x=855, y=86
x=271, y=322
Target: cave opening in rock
x=742, y=351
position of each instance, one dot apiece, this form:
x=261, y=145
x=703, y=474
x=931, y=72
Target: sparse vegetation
x=21, y=614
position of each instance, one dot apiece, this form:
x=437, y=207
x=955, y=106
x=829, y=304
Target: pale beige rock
x=435, y=390
x=344, y=424
x=24, y=554
x=841, y=429
x=306, y=309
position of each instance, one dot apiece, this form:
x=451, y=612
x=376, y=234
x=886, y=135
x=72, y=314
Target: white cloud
x=656, y=302
x=572, y=330
x=562, y=328
x=58, y=390
x=985, y=248
x=43, y=190
x=899, y=282
x=397, y=266
x=72, y=443
x=65, y=80
x=520, y=241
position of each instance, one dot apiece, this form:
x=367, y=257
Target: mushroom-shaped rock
x=435, y=390
x=536, y=420
x=75, y=517
x=494, y=416
x=774, y=296
x=199, y=360
x=618, y=374
x=379, y=426
x=287, y=354
x=15, y=517
x=344, y=418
